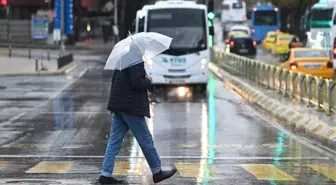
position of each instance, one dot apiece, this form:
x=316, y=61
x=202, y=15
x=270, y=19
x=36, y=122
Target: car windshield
x=241, y=30
x=285, y=38
x=187, y=27
x=243, y=41
x=265, y=18
x=310, y=54
x=272, y=36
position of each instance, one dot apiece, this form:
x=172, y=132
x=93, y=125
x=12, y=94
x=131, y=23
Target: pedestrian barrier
x=301, y=87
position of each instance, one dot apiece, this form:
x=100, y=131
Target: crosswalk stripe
x=325, y=170
x=267, y=172
x=194, y=170
x=51, y=167
x=126, y=168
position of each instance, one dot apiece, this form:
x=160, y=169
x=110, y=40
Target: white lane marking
x=166, y=157
x=93, y=112
x=51, y=181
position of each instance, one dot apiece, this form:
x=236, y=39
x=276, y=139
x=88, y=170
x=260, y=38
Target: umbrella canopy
x=136, y=49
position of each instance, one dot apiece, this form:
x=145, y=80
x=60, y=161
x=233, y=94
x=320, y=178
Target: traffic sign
x=39, y=27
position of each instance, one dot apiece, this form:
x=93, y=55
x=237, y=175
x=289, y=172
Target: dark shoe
x=163, y=175
x=109, y=180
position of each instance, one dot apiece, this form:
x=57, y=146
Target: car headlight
x=150, y=63
x=203, y=62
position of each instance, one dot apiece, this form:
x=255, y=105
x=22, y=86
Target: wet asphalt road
x=213, y=139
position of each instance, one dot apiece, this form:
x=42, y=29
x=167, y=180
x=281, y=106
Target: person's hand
x=149, y=78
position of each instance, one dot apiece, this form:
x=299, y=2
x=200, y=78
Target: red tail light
x=330, y=65
x=276, y=9
x=293, y=65
x=227, y=41
x=254, y=43
x=231, y=43
x=334, y=50
x=245, y=18
x=255, y=9
x=253, y=30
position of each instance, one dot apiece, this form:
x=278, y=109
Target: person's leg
x=142, y=134
x=118, y=130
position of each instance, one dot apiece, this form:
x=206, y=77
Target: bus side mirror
x=211, y=30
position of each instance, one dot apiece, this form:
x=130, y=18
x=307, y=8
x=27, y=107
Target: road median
x=299, y=122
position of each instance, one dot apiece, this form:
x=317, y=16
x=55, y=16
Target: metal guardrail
x=297, y=86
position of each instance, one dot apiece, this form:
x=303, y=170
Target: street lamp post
x=116, y=12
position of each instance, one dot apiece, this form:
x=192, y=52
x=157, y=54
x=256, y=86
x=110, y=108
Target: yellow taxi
x=310, y=61
x=269, y=40
x=281, y=43
x=232, y=33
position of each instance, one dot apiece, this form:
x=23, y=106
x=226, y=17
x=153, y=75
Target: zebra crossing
x=138, y=167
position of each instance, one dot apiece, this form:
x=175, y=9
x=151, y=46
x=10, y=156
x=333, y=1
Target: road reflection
x=63, y=110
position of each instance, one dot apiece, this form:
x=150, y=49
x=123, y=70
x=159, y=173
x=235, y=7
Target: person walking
x=129, y=105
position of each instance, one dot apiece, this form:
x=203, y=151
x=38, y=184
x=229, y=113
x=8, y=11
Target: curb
x=65, y=70
x=301, y=123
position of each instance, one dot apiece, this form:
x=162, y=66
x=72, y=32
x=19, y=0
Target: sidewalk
x=16, y=66
x=97, y=46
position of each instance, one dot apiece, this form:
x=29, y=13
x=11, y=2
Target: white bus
x=323, y=27
x=233, y=12
x=140, y=19
x=186, y=61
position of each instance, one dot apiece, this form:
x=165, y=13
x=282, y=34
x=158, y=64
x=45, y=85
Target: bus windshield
x=322, y=14
x=263, y=18
x=238, y=5
x=187, y=27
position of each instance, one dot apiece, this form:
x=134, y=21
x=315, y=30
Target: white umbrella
x=135, y=49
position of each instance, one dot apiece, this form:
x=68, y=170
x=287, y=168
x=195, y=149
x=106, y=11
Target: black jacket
x=129, y=91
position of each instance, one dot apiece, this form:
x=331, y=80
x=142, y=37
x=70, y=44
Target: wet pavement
x=213, y=139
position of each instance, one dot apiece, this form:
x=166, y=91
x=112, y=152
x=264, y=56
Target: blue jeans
x=121, y=123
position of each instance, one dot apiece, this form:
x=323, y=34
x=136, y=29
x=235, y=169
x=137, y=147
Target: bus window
x=237, y=5
x=322, y=14
x=141, y=24
x=265, y=18
x=225, y=7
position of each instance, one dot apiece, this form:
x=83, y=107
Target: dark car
x=243, y=45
